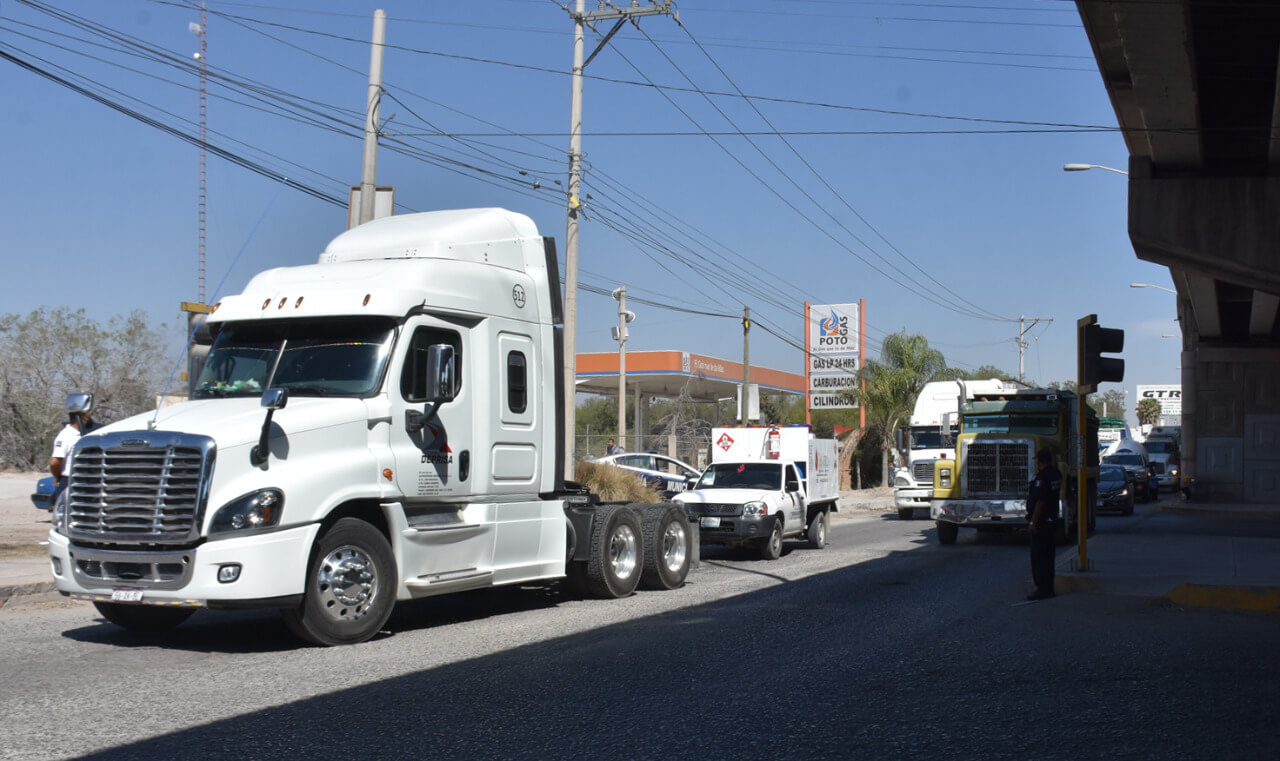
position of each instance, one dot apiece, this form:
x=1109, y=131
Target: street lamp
x=620, y=335
x=1149, y=285
x=1086, y=167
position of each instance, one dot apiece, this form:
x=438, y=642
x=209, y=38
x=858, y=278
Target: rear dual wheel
x=668, y=545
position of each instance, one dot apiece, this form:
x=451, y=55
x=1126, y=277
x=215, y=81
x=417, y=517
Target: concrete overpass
x=1195, y=89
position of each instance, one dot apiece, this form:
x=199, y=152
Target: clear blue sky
x=962, y=183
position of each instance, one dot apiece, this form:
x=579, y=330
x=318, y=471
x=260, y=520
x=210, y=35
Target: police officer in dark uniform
x=1042, y=514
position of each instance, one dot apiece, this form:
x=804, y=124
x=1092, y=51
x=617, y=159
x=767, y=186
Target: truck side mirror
x=272, y=399
x=441, y=373
x=948, y=422
x=897, y=439
x=793, y=484
x=275, y=398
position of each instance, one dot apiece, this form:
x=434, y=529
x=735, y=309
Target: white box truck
x=930, y=437
x=765, y=484
x=382, y=425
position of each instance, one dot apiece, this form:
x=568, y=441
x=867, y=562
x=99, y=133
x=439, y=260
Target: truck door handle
x=464, y=464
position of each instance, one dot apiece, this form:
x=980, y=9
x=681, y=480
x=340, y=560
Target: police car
x=665, y=473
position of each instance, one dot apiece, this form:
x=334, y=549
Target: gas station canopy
x=670, y=373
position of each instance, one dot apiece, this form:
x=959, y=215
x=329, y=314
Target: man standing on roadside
x=80, y=423
x=1042, y=514
x=612, y=448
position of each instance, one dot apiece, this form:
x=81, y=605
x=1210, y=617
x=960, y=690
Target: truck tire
x=906, y=513
x=947, y=532
x=771, y=547
x=143, y=618
x=667, y=545
x=616, y=553
x=818, y=530
x=350, y=586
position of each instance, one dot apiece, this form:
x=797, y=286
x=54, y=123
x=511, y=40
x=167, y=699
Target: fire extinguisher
x=773, y=444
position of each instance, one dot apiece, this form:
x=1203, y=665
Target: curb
x=1224, y=596
x=1232, y=597
x=9, y=591
x=1208, y=509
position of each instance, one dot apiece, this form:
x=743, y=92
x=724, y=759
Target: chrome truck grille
x=712, y=508
x=139, y=487
x=922, y=472
x=997, y=468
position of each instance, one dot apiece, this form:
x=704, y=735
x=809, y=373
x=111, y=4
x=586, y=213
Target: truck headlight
x=58, y=517
x=259, y=509
x=901, y=480
x=755, y=508
x=944, y=477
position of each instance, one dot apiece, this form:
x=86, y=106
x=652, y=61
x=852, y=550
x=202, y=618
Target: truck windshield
x=333, y=357
x=739, y=475
x=1132, y=460
x=923, y=437
x=1159, y=447
x=1045, y=425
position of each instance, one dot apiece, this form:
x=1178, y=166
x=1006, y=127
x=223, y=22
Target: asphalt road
x=883, y=645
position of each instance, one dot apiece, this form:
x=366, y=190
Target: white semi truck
x=765, y=484
x=931, y=437
x=383, y=425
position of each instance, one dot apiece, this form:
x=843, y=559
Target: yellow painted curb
x=1237, y=598
x=1073, y=582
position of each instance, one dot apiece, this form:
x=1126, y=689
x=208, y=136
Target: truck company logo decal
x=724, y=442
x=517, y=295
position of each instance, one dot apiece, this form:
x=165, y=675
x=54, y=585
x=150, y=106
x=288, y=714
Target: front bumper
x=912, y=497
x=968, y=512
x=731, y=529
x=272, y=566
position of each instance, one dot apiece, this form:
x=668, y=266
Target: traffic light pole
x=1092, y=368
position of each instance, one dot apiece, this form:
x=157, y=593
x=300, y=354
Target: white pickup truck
x=763, y=485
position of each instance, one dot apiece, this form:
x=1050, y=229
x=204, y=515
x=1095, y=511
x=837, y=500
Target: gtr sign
x=1169, y=396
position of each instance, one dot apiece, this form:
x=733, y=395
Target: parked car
x=668, y=474
x=43, y=496
x=1115, y=489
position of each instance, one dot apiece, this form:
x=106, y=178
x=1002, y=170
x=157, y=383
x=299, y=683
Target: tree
x=892, y=385
x=53, y=352
x=985, y=372
x=1148, y=411
x=1109, y=403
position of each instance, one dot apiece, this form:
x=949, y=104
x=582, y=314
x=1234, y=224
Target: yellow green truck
x=984, y=485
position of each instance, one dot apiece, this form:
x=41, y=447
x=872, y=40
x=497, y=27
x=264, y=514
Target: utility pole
x=746, y=365
x=1022, y=331
x=202, y=197
x=373, y=105
x=581, y=19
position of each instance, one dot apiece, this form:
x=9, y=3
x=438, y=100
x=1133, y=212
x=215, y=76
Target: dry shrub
x=614, y=484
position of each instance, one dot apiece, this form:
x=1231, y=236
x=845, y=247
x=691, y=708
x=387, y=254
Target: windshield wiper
x=302, y=388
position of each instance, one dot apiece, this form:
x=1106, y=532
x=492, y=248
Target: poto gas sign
x=833, y=354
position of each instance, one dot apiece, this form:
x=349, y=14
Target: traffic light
x=1093, y=341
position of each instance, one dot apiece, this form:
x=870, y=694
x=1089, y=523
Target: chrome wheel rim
x=674, y=547
x=347, y=580
x=775, y=539
x=624, y=551
x=822, y=528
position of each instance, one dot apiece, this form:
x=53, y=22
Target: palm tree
x=1148, y=411
x=890, y=386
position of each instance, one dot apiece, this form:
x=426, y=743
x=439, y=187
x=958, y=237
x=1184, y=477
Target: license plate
x=709, y=522
x=126, y=595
